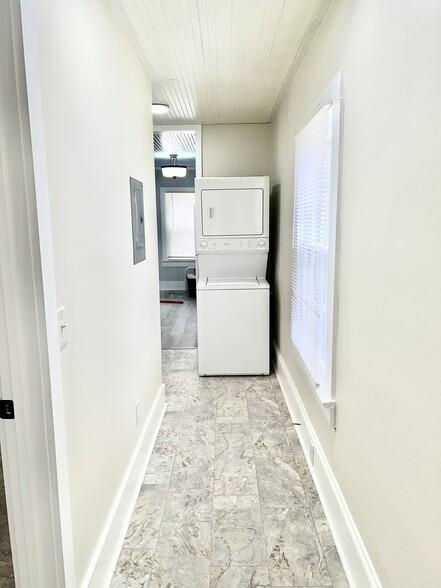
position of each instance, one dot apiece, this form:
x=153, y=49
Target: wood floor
x=178, y=321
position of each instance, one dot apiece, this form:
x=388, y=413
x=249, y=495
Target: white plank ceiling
x=220, y=61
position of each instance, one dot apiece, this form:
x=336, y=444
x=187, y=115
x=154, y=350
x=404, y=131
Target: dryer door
x=232, y=213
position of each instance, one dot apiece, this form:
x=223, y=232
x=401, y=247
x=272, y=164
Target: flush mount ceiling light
x=158, y=108
x=173, y=169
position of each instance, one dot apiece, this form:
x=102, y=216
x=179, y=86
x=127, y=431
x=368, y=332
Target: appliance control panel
x=226, y=244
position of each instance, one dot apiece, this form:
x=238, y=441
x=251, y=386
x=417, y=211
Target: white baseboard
x=109, y=546
x=355, y=558
x=173, y=285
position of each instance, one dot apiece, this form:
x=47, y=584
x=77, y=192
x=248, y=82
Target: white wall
x=98, y=130
x=386, y=450
x=236, y=150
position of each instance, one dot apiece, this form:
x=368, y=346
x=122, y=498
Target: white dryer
x=232, y=242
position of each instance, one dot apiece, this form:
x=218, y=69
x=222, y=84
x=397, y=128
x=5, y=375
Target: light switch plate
x=62, y=326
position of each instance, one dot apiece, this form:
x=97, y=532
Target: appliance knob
x=203, y=244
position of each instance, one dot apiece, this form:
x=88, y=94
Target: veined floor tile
x=202, y=397
x=233, y=418
x=333, y=560
x=133, y=568
x=233, y=435
x=295, y=556
x=195, y=448
x=279, y=482
x=238, y=538
x=259, y=389
x=227, y=503
x=235, y=473
x=309, y=487
x=194, y=506
x=239, y=577
x=190, y=495
x=269, y=440
x=144, y=526
x=161, y=459
x=264, y=410
x=191, y=479
x=182, y=558
x=197, y=417
x=159, y=477
x=231, y=405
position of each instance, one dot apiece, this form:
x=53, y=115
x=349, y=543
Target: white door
x=232, y=212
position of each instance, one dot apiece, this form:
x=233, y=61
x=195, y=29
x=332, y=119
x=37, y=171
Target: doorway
x=175, y=218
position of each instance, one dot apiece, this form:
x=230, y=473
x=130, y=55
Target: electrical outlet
x=311, y=453
x=137, y=412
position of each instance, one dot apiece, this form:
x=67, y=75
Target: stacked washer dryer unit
x=232, y=243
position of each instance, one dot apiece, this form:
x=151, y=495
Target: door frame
x=34, y=443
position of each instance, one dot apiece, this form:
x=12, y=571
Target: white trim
x=58, y=445
x=106, y=553
x=333, y=95
x=181, y=262
x=173, y=285
x=355, y=558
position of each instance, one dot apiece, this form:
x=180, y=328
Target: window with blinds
x=313, y=248
x=178, y=225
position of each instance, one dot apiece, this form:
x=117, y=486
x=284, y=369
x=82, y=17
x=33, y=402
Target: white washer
x=233, y=326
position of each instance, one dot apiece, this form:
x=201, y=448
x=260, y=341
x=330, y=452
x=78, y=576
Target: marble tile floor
x=228, y=500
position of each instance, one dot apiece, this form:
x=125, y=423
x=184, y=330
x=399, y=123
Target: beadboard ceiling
x=183, y=143
x=220, y=61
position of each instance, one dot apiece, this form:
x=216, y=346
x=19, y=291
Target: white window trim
x=177, y=262
x=333, y=94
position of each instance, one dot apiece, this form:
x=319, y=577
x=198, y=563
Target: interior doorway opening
x=175, y=218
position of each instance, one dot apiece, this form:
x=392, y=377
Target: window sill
x=324, y=399
x=178, y=262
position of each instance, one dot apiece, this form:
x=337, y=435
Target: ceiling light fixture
x=158, y=108
x=173, y=169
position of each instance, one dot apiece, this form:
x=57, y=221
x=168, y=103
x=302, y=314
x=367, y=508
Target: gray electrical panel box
x=138, y=230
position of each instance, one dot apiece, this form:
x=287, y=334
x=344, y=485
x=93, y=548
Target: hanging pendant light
x=173, y=169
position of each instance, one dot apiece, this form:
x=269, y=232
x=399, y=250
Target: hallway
x=227, y=499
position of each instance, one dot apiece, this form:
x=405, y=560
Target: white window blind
x=311, y=247
x=178, y=225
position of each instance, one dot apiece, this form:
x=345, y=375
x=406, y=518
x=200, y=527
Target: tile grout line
x=169, y=481
x=214, y=469
x=258, y=495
